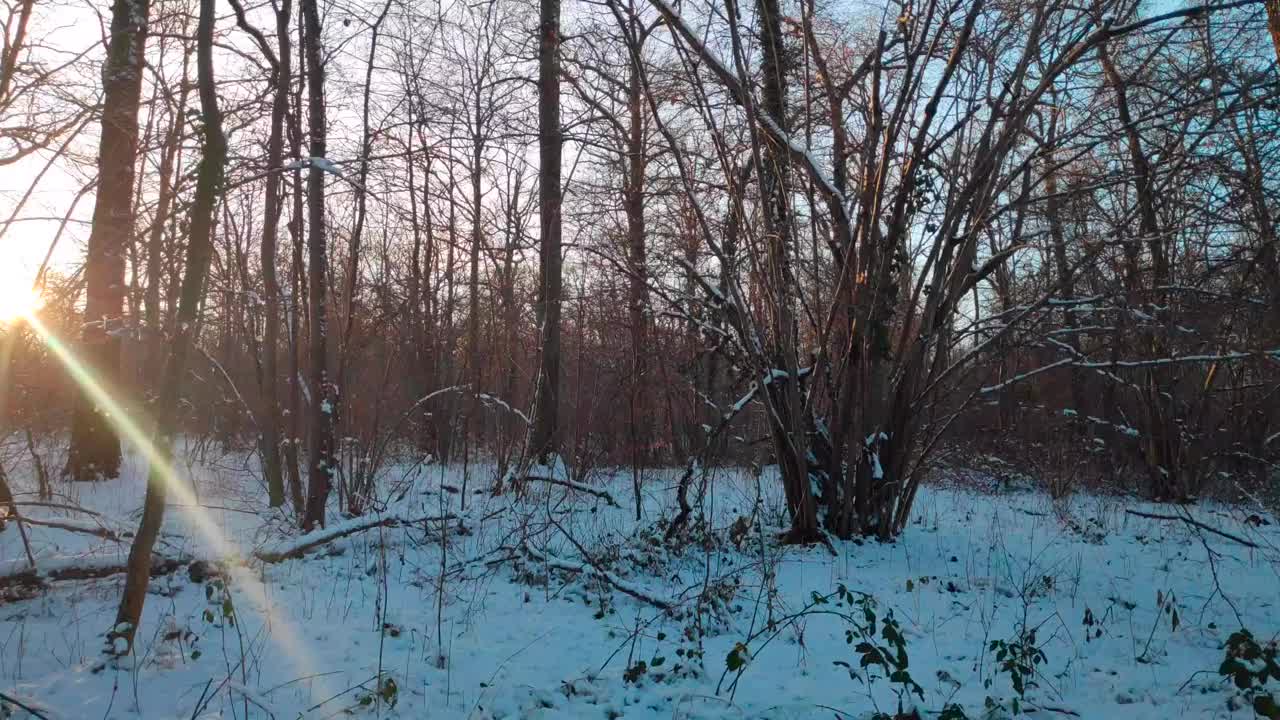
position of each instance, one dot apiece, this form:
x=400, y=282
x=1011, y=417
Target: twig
x=1196, y=523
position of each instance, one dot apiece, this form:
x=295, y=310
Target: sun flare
x=18, y=300
x=17, y=297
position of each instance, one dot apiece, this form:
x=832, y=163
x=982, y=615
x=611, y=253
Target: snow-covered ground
x=507, y=618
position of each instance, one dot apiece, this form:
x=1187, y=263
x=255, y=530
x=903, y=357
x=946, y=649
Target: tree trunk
x=199, y=251
x=475, y=371
x=416, y=352
x=297, y=291
x=270, y=416
x=1160, y=436
x=320, y=460
x=786, y=418
x=1066, y=280
x=544, y=440
x=155, y=239
x=638, y=290
x=95, y=447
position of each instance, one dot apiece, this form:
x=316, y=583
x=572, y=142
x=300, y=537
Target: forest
x=867, y=359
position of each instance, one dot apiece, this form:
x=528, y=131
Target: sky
x=63, y=29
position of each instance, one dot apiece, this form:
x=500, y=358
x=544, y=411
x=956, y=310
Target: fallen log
x=90, y=567
x=82, y=569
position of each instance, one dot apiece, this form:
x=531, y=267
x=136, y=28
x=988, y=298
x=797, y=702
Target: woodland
x=825, y=321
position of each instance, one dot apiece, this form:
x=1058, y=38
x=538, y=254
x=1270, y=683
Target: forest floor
x=560, y=605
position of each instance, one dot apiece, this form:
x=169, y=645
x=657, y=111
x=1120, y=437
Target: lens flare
x=17, y=301
x=286, y=637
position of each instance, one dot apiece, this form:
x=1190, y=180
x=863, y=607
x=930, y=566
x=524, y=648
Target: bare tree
x=544, y=440
x=209, y=186
x=320, y=425
x=95, y=445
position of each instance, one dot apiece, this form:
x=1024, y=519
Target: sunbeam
x=283, y=633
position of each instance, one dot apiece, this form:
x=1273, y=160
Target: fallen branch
x=101, y=532
x=618, y=583
x=1192, y=521
x=34, y=711
x=603, y=495
x=296, y=547
x=58, y=506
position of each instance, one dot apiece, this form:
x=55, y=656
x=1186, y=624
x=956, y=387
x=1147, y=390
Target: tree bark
x=320, y=460
x=1066, y=278
x=297, y=287
x=638, y=288
x=1160, y=436
x=95, y=446
x=199, y=251
x=270, y=441
x=155, y=238
x=786, y=417
x=545, y=439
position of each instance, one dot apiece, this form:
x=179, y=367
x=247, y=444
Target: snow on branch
x=602, y=494
x=319, y=163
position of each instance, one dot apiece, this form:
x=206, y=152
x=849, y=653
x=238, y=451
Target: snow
x=320, y=163
x=554, y=470
x=544, y=606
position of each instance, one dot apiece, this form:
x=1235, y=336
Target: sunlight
x=286, y=637
x=17, y=298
